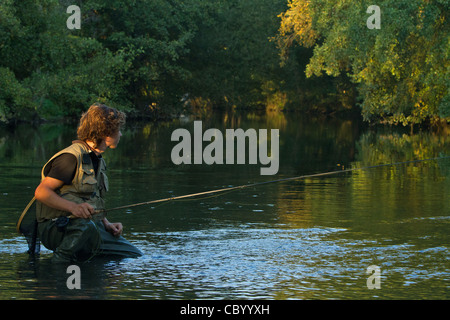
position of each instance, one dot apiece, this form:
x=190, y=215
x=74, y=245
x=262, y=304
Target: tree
x=232, y=60
x=50, y=71
x=401, y=70
x=158, y=33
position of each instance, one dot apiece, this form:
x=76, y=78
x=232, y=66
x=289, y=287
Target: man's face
x=112, y=142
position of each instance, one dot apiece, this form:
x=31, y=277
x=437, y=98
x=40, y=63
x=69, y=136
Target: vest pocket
x=88, y=181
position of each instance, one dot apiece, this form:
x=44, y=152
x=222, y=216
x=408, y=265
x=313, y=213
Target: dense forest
x=159, y=58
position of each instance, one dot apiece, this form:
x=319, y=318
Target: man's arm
x=46, y=194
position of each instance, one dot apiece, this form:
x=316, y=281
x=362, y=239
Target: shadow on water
x=39, y=277
x=312, y=238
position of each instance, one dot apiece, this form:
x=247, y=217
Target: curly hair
x=99, y=122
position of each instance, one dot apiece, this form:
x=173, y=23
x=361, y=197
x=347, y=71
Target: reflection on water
x=305, y=239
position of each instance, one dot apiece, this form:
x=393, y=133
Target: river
x=312, y=238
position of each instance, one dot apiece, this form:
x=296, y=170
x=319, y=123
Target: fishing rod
x=30, y=229
x=265, y=182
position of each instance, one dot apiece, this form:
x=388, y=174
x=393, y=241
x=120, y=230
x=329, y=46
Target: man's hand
x=115, y=228
x=82, y=210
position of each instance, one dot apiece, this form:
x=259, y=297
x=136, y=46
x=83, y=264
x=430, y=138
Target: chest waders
x=78, y=239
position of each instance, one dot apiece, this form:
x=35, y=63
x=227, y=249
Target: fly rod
x=265, y=182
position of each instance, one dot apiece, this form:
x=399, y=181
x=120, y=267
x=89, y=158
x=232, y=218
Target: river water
x=311, y=238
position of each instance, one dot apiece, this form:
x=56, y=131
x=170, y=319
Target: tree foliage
x=231, y=55
x=58, y=72
x=126, y=53
x=144, y=56
x=401, y=70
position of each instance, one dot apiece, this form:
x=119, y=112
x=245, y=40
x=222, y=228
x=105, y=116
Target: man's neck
x=97, y=150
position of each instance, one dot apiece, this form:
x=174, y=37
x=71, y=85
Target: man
x=73, y=186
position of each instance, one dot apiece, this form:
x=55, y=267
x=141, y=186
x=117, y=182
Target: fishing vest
x=86, y=185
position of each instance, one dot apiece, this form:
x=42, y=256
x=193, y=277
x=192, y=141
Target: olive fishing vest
x=86, y=185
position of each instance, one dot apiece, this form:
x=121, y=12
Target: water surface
x=307, y=239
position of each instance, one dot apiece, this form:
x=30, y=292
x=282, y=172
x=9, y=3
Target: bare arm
x=46, y=194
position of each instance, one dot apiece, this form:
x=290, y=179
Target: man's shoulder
x=79, y=147
x=76, y=149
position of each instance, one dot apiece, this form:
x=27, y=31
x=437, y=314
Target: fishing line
x=96, y=250
x=240, y=187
